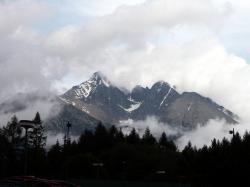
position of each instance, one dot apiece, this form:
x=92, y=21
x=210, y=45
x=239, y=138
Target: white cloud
x=99, y=8
x=199, y=137
x=23, y=14
x=203, y=135
x=103, y=43
x=133, y=25
x=25, y=106
x=151, y=122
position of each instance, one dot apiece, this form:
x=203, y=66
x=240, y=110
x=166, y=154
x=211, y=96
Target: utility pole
x=69, y=125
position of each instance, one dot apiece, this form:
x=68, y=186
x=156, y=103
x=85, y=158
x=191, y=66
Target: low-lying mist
x=24, y=106
x=200, y=136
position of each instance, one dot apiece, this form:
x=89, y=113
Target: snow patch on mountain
x=85, y=110
x=189, y=107
x=64, y=100
x=86, y=88
x=165, y=97
x=100, y=79
x=132, y=107
x=225, y=111
x=105, y=82
x=130, y=99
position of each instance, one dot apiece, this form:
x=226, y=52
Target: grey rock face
x=190, y=109
x=103, y=101
x=155, y=101
x=99, y=98
x=80, y=120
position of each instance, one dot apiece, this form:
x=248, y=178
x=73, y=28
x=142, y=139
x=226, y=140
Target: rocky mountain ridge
x=100, y=99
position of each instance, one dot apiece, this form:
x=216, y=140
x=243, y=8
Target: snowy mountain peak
x=86, y=88
x=160, y=84
x=160, y=87
x=138, y=89
x=99, y=79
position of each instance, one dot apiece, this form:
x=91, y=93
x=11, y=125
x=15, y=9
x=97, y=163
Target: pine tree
x=87, y=141
x=167, y=144
x=133, y=137
x=12, y=131
x=37, y=139
x=101, y=137
x=163, y=139
x=148, y=138
x=119, y=136
x=188, y=149
x=113, y=132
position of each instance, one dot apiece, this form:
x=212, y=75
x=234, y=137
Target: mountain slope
x=190, y=109
x=154, y=101
x=100, y=99
x=80, y=120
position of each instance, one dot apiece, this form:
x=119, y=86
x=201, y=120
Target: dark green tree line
x=108, y=153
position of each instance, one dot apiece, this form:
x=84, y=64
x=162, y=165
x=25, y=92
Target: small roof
x=26, y=123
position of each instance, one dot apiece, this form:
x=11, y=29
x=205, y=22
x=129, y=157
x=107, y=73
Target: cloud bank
x=200, y=136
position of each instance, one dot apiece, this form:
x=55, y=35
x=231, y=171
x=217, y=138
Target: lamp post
x=26, y=124
x=232, y=132
x=98, y=166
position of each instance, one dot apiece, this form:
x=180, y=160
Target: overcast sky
x=196, y=45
